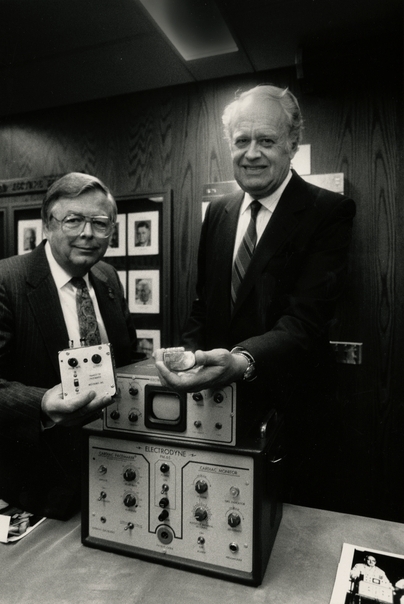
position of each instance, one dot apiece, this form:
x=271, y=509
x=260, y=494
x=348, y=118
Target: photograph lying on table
x=148, y=340
x=29, y=235
x=143, y=233
x=144, y=291
x=368, y=575
x=117, y=241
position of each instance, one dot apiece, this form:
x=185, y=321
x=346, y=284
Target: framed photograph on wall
x=143, y=233
x=117, y=242
x=29, y=235
x=144, y=291
x=148, y=340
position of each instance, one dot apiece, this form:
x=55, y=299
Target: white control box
x=87, y=368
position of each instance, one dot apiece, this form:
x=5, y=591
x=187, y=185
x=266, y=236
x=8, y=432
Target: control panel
x=190, y=504
x=87, y=368
x=143, y=406
x=211, y=511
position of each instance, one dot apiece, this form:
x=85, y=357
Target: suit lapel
x=227, y=231
x=223, y=239
x=45, y=304
x=285, y=219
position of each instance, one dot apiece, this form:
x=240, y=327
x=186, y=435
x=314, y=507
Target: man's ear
x=45, y=230
x=294, y=145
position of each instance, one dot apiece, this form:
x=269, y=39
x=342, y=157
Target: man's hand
x=213, y=369
x=79, y=410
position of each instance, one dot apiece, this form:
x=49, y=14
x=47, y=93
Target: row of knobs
x=233, y=519
x=133, y=418
x=96, y=359
x=200, y=513
x=197, y=396
x=201, y=486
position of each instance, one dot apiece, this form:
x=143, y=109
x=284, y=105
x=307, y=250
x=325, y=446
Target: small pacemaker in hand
x=178, y=359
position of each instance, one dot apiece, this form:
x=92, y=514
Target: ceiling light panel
x=195, y=27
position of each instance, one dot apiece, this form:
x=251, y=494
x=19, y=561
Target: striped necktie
x=244, y=252
x=89, y=332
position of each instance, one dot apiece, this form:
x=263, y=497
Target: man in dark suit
x=266, y=324
x=39, y=431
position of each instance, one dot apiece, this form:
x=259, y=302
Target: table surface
x=51, y=566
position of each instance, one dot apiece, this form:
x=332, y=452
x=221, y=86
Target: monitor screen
x=166, y=407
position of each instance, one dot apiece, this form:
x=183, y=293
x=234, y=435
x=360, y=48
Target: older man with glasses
x=59, y=294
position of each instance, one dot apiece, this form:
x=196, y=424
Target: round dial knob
x=165, y=468
x=201, y=514
x=129, y=474
x=133, y=391
x=201, y=486
x=163, y=515
x=218, y=397
x=73, y=362
x=115, y=414
x=233, y=519
x=96, y=358
x=164, y=503
x=197, y=396
x=133, y=417
x=129, y=500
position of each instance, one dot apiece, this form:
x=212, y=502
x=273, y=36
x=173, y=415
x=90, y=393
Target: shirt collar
x=60, y=276
x=270, y=201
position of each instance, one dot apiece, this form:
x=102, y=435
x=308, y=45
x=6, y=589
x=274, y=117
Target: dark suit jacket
x=286, y=301
x=39, y=470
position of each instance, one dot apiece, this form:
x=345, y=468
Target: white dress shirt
x=67, y=297
x=264, y=215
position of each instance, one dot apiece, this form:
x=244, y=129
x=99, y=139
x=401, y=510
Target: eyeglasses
x=74, y=224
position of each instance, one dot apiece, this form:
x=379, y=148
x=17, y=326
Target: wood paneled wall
x=172, y=139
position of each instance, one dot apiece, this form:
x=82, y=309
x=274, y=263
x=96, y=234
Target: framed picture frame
x=29, y=235
x=117, y=242
x=144, y=291
x=148, y=340
x=143, y=233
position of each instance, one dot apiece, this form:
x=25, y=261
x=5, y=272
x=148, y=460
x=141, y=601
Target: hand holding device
x=212, y=369
x=79, y=410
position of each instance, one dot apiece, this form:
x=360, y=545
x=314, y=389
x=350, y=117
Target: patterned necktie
x=244, y=252
x=89, y=332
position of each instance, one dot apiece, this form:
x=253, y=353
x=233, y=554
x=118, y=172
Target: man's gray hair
x=283, y=96
x=73, y=185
